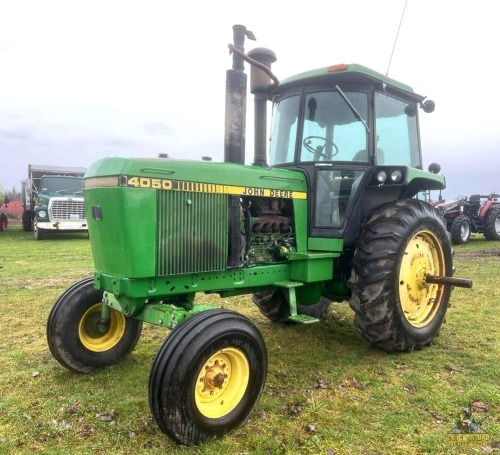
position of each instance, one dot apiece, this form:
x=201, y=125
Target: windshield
x=62, y=185
x=330, y=129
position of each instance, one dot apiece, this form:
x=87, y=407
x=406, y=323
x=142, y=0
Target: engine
x=267, y=229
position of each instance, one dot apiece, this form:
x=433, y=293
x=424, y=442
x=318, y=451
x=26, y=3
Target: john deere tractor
x=330, y=213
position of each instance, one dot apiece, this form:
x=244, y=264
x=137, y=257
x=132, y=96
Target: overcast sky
x=81, y=80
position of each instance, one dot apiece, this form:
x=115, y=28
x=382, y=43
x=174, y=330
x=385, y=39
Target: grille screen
x=192, y=232
x=67, y=210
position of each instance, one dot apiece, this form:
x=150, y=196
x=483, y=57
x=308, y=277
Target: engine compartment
x=267, y=229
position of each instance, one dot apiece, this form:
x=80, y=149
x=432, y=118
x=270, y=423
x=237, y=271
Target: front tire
x=39, y=234
x=460, y=230
x=492, y=224
x=396, y=310
x=208, y=376
x=73, y=335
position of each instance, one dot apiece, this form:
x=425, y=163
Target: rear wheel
x=78, y=338
x=460, y=230
x=492, y=224
x=396, y=310
x=26, y=221
x=208, y=376
x=273, y=304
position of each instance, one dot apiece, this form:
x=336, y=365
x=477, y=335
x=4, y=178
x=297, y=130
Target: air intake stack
x=260, y=81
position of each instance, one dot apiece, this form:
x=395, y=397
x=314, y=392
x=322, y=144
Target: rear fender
x=484, y=209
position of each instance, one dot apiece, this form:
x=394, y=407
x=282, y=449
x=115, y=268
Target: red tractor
x=475, y=213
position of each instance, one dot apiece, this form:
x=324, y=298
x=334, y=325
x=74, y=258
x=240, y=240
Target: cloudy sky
x=81, y=80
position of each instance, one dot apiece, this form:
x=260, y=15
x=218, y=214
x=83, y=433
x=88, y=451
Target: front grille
x=67, y=209
x=192, y=232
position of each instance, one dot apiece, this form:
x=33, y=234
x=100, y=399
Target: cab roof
x=351, y=73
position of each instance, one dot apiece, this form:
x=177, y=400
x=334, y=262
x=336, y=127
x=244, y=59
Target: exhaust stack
x=236, y=93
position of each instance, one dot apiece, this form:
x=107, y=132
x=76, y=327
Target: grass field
x=327, y=390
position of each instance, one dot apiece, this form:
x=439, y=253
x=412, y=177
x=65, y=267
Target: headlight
x=42, y=213
x=396, y=175
x=381, y=177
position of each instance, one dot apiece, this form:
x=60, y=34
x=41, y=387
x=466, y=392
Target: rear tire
x=492, y=224
x=208, y=376
x=274, y=305
x=26, y=221
x=395, y=309
x=460, y=230
x=72, y=333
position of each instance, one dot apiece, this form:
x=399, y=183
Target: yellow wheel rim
x=222, y=382
x=94, y=339
x=420, y=301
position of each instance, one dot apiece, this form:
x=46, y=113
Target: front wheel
x=78, y=338
x=396, y=310
x=460, y=230
x=208, y=376
x=492, y=224
x=39, y=234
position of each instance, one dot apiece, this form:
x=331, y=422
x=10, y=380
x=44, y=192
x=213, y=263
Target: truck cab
x=59, y=205
x=52, y=198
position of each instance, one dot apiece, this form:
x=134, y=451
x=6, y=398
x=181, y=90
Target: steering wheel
x=318, y=151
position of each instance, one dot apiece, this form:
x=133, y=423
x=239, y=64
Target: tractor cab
x=354, y=134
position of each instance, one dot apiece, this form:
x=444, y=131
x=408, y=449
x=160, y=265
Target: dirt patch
x=477, y=254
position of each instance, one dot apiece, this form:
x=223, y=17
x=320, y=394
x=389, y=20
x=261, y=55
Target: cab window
x=396, y=129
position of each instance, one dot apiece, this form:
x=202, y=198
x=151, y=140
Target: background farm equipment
x=52, y=197
x=330, y=215
x=476, y=213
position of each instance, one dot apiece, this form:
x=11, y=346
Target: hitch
x=449, y=281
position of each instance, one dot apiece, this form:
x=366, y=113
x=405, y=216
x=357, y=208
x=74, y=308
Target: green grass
x=327, y=390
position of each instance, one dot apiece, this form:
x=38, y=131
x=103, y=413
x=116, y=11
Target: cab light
x=340, y=67
x=381, y=177
x=396, y=175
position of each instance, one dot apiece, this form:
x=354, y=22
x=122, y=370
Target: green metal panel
x=325, y=244
x=244, y=178
x=192, y=232
x=300, y=219
x=429, y=180
x=311, y=267
x=175, y=285
x=123, y=241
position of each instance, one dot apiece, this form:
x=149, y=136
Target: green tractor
x=331, y=213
